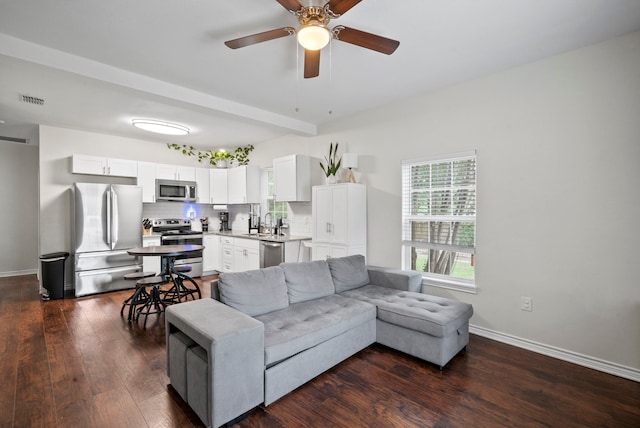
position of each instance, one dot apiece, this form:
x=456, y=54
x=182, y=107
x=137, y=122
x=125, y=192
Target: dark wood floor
x=77, y=363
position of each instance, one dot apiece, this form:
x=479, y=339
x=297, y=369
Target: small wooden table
x=168, y=254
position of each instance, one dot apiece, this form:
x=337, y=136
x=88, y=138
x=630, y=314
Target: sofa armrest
x=234, y=347
x=406, y=280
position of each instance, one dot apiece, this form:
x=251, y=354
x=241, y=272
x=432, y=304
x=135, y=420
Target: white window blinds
x=439, y=215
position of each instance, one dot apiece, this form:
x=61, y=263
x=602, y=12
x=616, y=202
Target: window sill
x=450, y=284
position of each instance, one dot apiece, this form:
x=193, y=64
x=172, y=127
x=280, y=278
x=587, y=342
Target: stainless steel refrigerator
x=106, y=222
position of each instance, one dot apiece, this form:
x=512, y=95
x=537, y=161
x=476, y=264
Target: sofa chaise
x=276, y=328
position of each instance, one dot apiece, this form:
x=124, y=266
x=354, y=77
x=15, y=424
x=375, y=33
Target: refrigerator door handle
x=113, y=218
x=109, y=239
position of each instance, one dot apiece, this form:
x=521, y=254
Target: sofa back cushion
x=348, y=272
x=307, y=280
x=254, y=292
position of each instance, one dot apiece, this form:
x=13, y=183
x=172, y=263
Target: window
x=277, y=209
x=439, y=219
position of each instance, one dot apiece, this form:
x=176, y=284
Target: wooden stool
x=139, y=296
x=154, y=304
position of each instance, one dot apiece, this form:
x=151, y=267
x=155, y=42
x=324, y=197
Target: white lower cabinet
x=212, y=254
x=246, y=254
x=151, y=264
x=327, y=251
x=227, y=253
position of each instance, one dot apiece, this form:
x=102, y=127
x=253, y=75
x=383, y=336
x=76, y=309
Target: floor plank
x=78, y=363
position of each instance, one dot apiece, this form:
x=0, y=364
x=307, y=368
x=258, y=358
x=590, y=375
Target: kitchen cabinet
x=97, y=165
x=292, y=178
x=203, y=194
x=151, y=264
x=212, y=254
x=218, y=186
x=243, y=185
x=175, y=172
x=227, y=253
x=339, y=220
x=246, y=254
x=147, y=180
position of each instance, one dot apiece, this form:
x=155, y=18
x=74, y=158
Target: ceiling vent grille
x=14, y=140
x=32, y=100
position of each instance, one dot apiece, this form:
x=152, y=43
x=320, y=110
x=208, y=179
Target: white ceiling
x=98, y=64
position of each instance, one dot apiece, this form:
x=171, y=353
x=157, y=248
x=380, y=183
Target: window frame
x=408, y=245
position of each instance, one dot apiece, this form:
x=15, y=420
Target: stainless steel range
x=178, y=232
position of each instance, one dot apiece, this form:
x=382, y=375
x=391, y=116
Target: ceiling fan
x=313, y=33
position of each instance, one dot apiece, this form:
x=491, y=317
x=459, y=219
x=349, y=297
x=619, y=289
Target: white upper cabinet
x=202, y=186
x=292, y=178
x=218, y=186
x=98, y=165
x=243, y=185
x=147, y=180
x=174, y=172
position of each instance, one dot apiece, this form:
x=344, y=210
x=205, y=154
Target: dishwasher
x=271, y=253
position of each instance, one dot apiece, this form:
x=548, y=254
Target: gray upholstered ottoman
x=428, y=327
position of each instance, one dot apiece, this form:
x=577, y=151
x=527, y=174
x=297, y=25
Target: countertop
x=259, y=237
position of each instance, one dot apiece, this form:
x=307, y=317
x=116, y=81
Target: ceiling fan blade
x=291, y=5
x=365, y=40
x=340, y=7
x=311, y=63
x=260, y=37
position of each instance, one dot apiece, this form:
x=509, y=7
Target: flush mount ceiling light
x=160, y=127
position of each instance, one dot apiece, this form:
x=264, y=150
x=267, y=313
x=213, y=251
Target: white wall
x=19, y=214
x=558, y=199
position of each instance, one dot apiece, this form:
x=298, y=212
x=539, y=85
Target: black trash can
x=52, y=267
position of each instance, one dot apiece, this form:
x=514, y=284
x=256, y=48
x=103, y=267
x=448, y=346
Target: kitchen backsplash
x=298, y=216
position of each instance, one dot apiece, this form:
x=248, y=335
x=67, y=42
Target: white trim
x=561, y=354
x=450, y=283
x=18, y=273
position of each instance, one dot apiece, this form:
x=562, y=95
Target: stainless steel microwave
x=177, y=191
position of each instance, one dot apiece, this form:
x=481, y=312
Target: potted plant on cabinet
x=333, y=164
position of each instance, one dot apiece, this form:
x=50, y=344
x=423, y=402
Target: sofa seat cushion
x=254, y=292
x=436, y=316
x=307, y=280
x=304, y=325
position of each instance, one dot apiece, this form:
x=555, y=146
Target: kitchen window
x=277, y=209
x=439, y=219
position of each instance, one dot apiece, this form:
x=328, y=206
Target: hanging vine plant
x=216, y=158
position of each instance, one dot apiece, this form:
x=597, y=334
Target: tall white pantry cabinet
x=339, y=220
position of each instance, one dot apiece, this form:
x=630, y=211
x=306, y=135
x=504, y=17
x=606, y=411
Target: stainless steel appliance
x=106, y=222
x=178, y=232
x=224, y=221
x=271, y=253
x=178, y=191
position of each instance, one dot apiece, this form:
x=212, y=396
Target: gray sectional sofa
x=275, y=329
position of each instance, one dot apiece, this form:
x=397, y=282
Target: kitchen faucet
x=270, y=226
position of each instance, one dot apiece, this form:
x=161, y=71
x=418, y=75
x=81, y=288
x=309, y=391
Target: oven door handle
x=180, y=238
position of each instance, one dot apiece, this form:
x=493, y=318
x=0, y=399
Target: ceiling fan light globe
x=313, y=37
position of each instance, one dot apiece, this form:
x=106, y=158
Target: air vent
x=14, y=140
x=32, y=100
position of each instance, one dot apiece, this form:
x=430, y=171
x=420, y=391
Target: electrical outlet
x=526, y=304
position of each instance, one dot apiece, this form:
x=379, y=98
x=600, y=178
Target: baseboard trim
x=18, y=273
x=561, y=354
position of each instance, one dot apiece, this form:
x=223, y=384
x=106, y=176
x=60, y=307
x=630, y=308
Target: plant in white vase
x=333, y=164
